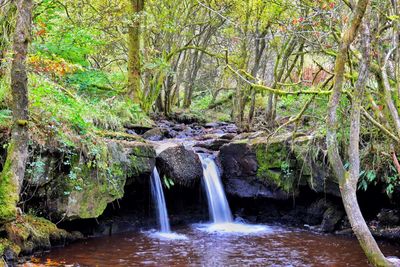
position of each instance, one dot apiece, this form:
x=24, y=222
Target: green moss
x=28, y=233
x=274, y=167
x=8, y=190
x=5, y=245
x=91, y=192
x=90, y=186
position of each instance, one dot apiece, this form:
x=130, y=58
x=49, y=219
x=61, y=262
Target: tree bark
x=348, y=179
x=12, y=175
x=7, y=14
x=134, y=66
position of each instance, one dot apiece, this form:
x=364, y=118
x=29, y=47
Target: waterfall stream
x=217, y=202
x=158, y=196
x=220, y=213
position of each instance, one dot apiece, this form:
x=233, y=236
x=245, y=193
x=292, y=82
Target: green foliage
x=5, y=117
x=389, y=181
x=66, y=114
x=4, y=90
x=366, y=177
x=168, y=182
x=201, y=103
x=96, y=83
x=62, y=39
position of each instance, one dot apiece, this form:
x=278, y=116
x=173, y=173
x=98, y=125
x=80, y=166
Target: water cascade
x=217, y=203
x=158, y=196
x=220, y=213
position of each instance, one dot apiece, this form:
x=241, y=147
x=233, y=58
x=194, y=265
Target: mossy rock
x=90, y=185
x=28, y=234
x=8, y=249
x=276, y=165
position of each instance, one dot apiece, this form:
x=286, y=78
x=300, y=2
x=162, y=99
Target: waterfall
x=217, y=204
x=158, y=197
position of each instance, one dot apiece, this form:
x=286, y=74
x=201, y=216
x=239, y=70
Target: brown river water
x=276, y=246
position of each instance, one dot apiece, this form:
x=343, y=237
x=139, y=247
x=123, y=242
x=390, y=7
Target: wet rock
x=248, y=173
x=325, y=214
x=230, y=128
x=388, y=217
x=388, y=233
x=315, y=168
x=331, y=218
x=238, y=160
x=252, y=188
x=212, y=125
x=155, y=134
x=278, y=162
x=138, y=129
x=228, y=136
x=217, y=131
x=180, y=164
x=213, y=145
x=315, y=212
x=207, y=136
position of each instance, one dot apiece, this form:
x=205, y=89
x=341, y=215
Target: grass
x=63, y=113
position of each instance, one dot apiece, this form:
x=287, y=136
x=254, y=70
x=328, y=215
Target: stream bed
x=275, y=246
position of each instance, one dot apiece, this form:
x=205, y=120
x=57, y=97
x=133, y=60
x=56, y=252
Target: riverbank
x=281, y=179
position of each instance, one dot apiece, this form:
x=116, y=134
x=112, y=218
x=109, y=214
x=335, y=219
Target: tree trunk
x=12, y=175
x=134, y=75
x=260, y=45
x=348, y=179
x=279, y=69
x=7, y=14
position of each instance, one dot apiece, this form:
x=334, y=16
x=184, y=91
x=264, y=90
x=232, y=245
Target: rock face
x=84, y=187
x=180, y=164
x=257, y=169
x=273, y=168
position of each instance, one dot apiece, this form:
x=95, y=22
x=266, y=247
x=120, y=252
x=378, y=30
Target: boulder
x=324, y=213
x=265, y=168
x=155, y=134
x=332, y=216
x=181, y=165
x=315, y=212
x=277, y=164
x=84, y=187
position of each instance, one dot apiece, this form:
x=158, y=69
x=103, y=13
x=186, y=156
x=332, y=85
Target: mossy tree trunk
x=13, y=171
x=134, y=66
x=7, y=14
x=348, y=179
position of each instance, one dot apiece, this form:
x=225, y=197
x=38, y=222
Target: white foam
x=234, y=228
x=168, y=236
